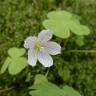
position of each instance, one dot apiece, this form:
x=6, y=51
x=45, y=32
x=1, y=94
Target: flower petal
x=32, y=57
x=45, y=35
x=45, y=59
x=52, y=48
x=29, y=42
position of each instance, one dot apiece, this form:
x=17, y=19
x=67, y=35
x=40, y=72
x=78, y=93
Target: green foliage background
x=22, y=18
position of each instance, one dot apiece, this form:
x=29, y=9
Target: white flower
x=40, y=48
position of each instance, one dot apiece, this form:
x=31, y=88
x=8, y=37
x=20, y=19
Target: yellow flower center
x=38, y=46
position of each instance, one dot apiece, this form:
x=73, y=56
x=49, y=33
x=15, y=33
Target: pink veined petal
x=52, y=48
x=32, y=57
x=45, y=35
x=45, y=59
x=29, y=42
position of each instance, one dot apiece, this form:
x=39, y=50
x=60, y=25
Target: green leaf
x=16, y=52
x=79, y=40
x=5, y=65
x=60, y=31
x=61, y=23
x=40, y=79
x=42, y=87
x=17, y=65
x=70, y=91
x=64, y=73
x=79, y=29
x=59, y=15
x=14, y=62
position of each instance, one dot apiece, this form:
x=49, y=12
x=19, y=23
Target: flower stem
x=47, y=72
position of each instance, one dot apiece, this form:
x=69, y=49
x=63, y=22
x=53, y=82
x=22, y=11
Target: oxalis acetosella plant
x=60, y=23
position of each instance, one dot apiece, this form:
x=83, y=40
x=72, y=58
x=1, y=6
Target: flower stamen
x=38, y=46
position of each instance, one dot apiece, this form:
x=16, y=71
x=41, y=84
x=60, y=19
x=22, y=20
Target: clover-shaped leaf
x=14, y=62
x=70, y=91
x=42, y=87
x=16, y=52
x=61, y=23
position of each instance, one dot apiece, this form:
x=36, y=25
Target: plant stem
x=47, y=72
x=82, y=51
x=7, y=89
